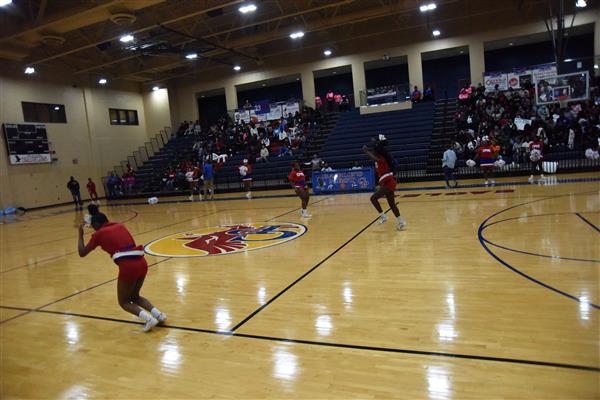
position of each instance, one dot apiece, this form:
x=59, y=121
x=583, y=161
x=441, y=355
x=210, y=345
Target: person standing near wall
x=73, y=186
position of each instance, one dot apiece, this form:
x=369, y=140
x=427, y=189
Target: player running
x=298, y=181
x=386, y=179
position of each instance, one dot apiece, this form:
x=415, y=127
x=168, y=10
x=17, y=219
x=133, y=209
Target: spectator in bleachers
x=264, y=154
x=415, y=97
x=111, y=185
x=330, y=98
x=248, y=105
x=428, y=94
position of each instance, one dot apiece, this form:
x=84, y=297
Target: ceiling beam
x=139, y=30
x=235, y=29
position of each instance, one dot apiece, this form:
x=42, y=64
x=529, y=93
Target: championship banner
x=492, y=79
x=567, y=87
x=343, y=180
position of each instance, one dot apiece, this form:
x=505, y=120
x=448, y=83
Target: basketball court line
x=588, y=222
x=258, y=310
x=74, y=294
x=323, y=344
x=482, y=241
x=467, y=186
x=536, y=254
x=135, y=233
x=70, y=237
x=296, y=209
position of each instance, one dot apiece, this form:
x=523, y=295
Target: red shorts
x=132, y=268
x=388, y=183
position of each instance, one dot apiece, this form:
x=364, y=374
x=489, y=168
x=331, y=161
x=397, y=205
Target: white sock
x=400, y=219
x=155, y=312
x=145, y=315
x=382, y=215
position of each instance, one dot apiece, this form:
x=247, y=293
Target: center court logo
x=228, y=239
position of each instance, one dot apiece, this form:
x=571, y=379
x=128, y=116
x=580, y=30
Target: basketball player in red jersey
x=536, y=155
x=116, y=240
x=386, y=179
x=298, y=180
x=486, y=154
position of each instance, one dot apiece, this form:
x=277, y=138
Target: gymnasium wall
x=86, y=146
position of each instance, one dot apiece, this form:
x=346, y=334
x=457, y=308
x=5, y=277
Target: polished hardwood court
x=490, y=292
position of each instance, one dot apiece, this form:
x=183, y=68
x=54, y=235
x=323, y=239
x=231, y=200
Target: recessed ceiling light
x=237, y=68
x=580, y=3
x=29, y=70
x=191, y=56
x=511, y=44
x=126, y=38
x=155, y=88
x=296, y=35
x=102, y=81
x=568, y=59
x=436, y=32
x=461, y=52
x=4, y=3
x=595, y=66
x=427, y=7
x=264, y=84
x=327, y=52
x=56, y=108
x=297, y=79
x=246, y=8
x=334, y=72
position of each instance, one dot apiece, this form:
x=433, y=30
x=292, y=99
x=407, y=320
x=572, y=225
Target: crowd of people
x=512, y=121
x=256, y=141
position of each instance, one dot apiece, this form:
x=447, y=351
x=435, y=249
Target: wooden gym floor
x=489, y=293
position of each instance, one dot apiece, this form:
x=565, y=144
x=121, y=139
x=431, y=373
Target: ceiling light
x=191, y=56
x=296, y=35
x=568, y=59
x=436, y=32
x=56, y=108
x=29, y=70
x=511, y=44
x=246, y=8
x=264, y=84
x=580, y=3
x=334, y=72
x=595, y=66
x=327, y=52
x=155, y=88
x=102, y=81
x=237, y=68
x=4, y=3
x=126, y=38
x=428, y=7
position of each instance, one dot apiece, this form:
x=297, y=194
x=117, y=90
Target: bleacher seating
x=408, y=133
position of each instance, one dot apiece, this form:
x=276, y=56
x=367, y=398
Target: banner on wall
x=290, y=108
x=516, y=78
x=343, y=180
x=491, y=79
x=567, y=87
x=263, y=112
x=544, y=72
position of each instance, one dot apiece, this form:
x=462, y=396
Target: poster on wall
x=544, y=72
x=492, y=79
x=518, y=78
x=275, y=112
x=567, y=87
x=242, y=116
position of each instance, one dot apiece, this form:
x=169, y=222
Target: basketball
x=153, y=200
